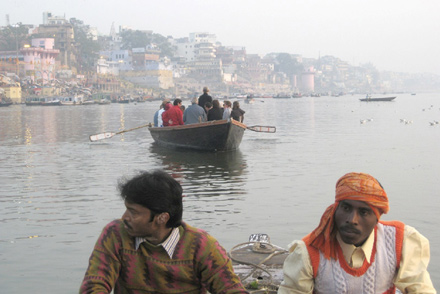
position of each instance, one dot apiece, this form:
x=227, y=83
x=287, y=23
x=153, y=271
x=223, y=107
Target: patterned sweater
x=199, y=265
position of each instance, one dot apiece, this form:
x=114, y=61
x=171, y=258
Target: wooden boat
x=5, y=104
x=34, y=101
x=104, y=102
x=51, y=102
x=71, y=101
x=217, y=135
x=259, y=263
x=370, y=99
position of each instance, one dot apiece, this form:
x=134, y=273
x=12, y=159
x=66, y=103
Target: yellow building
x=13, y=93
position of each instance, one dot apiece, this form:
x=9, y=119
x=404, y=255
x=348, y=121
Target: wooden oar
x=263, y=129
x=108, y=135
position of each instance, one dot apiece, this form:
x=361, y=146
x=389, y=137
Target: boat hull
x=378, y=99
x=221, y=135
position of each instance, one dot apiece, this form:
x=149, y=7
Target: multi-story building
x=62, y=32
x=39, y=59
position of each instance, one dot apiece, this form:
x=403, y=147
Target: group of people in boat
x=150, y=249
x=202, y=109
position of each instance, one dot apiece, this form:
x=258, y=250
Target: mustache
x=349, y=229
x=127, y=225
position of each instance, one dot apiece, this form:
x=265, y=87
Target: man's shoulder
x=114, y=225
x=196, y=232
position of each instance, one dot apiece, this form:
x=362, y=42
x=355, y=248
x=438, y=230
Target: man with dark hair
x=352, y=251
x=205, y=98
x=150, y=250
x=173, y=116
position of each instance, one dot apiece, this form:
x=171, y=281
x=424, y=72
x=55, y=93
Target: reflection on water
x=59, y=189
x=205, y=174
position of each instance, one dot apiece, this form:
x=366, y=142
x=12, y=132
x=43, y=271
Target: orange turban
x=352, y=186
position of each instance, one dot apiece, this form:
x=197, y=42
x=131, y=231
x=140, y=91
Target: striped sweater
x=199, y=264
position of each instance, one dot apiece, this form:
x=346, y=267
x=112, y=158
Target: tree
x=139, y=39
x=87, y=49
x=13, y=38
x=165, y=47
x=288, y=65
x=134, y=39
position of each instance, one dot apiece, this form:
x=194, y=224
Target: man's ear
x=163, y=218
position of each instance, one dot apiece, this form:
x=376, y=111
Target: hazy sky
x=396, y=35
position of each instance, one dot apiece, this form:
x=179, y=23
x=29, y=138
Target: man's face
x=355, y=221
x=137, y=220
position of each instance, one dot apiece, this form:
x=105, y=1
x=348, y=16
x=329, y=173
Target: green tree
x=285, y=63
x=86, y=48
x=134, y=39
x=166, y=49
x=13, y=37
x=139, y=39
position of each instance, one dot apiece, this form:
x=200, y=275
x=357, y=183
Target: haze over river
x=58, y=189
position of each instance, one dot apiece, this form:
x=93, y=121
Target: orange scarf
x=352, y=186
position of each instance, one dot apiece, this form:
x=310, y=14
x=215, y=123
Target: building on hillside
x=62, y=31
x=104, y=67
x=103, y=83
x=308, y=80
x=12, y=92
x=196, y=46
x=122, y=57
x=40, y=59
x=142, y=58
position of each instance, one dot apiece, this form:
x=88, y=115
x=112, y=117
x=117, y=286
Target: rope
x=264, y=248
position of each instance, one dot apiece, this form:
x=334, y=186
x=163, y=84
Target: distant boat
x=71, y=101
x=413, y=94
x=104, y=102
x=5, y=104
x=370, y=99
x=282, y=96
x=51, y=102
x=34, y=101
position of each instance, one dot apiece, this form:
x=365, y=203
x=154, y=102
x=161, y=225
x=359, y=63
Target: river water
x=58, y=189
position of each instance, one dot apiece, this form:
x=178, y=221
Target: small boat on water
x=371, y=99
x=51, y=102
x=259, y=264
x=5, y=104
x=34, y=101
x=218, y=135
x=71, y=101
x=104, y=102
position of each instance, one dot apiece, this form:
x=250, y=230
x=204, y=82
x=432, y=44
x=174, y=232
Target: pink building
x=39, y=59
x=308, y=80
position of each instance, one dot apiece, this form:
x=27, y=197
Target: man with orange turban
x=352, y=251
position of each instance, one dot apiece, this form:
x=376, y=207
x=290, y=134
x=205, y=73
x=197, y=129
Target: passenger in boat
x=352, y=251
x=174, y=115
x=194, y=113
x=216, y=112
x=205, y=97
x=208, y=106
x=167, y=107
x=151, y=250
x=227, y=109
x=158, y=115
x=237, y=113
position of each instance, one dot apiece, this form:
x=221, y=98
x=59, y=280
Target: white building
x=196, y=46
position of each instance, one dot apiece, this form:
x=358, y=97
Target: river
x=59, y=189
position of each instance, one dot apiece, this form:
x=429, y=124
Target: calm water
x=59, y=189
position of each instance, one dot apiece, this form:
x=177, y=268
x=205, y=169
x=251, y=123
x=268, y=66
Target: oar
x=263, y=129
x=108, y=135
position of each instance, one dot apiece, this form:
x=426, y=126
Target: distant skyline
x=400, y=36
